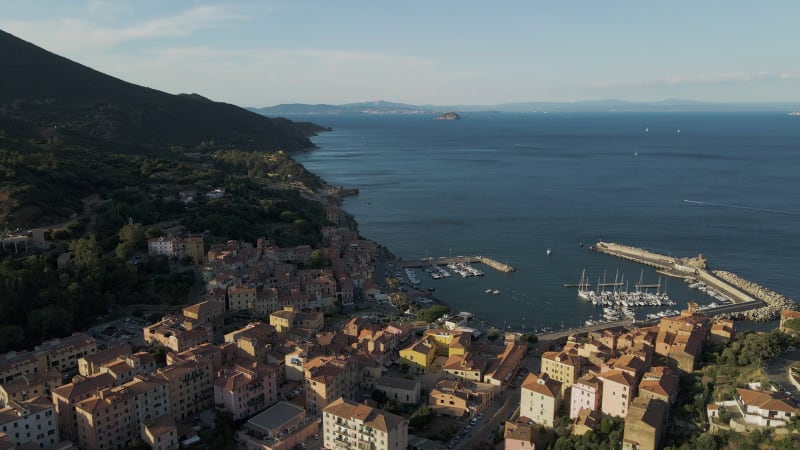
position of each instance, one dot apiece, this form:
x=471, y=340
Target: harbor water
x=511, y=186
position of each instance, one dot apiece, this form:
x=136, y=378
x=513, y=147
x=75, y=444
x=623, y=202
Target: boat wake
x=751, y=208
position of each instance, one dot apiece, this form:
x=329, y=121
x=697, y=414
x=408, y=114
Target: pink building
x=619, y=389
x=586, y=394
x=246, y=389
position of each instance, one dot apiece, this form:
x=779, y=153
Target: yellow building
x=205, y=312
x=450, y=342
x=420, y=354
x=191, y=387
x=282, y=320
x=241, y=298
x=563, y=367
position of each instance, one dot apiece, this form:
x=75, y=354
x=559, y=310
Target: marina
x=463, y=262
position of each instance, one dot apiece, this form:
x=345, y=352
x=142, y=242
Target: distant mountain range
x=384, y=107
x=41, y=92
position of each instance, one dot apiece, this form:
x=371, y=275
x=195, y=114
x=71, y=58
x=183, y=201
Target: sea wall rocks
x=775, y=301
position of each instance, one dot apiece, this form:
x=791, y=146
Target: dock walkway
x=674, y=267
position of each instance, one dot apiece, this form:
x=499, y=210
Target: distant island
x=448, y=116
x=794, y=113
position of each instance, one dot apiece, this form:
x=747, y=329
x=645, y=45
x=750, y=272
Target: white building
x=540, y=397
x=765, y=408
x=353, y=426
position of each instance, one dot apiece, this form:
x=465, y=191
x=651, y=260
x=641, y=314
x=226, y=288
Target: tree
x=86, y=252
x=421, y=416
x=433, y=313
x=706, y=441
x=493, y=335
x=317, y=260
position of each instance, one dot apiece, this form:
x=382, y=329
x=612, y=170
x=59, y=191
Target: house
x=466, y=367
x=420, y=354
x=765, y=408
x=400, y=390
x=519, y=437
x=460, y=398
x=540, y=398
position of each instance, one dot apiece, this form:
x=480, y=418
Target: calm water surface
x=509, y=186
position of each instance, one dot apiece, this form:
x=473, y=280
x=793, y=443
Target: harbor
x=459, y=260
x=742, y=299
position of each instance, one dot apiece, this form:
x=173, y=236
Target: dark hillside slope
x=42, y=91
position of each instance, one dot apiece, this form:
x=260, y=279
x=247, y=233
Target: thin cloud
x=725, y=77
x=70, y=35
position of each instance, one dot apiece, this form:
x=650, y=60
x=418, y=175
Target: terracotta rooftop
x=370, y=417
x=542, y=384
x=770, y=401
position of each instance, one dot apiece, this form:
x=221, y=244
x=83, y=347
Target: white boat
x=495, y=292
x=548, y=251
x=488, y=291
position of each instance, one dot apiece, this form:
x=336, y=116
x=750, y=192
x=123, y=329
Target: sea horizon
x=511, y=186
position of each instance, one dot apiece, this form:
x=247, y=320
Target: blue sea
x=510, y=186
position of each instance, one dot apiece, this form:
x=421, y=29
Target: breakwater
x=775, y=302
x=752, y=302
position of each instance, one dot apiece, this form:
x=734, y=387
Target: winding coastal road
x=778, y=372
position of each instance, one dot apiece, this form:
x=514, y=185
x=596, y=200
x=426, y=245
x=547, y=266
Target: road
x=778, y=372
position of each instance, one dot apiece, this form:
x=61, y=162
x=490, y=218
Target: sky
x=263, y=53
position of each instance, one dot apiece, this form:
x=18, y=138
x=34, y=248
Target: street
x=778, y=372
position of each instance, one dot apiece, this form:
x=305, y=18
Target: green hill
x=68, y=131
x=41, y=91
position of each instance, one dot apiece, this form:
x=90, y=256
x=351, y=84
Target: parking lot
x=119, y=331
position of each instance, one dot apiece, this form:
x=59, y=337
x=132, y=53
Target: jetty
x=750, y=301
x=444, y=260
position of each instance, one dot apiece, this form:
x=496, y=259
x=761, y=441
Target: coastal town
x=337, y=348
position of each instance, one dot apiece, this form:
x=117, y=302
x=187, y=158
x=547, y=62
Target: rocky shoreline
x=775, y=301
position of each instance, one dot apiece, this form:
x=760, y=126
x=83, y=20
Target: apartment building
x=563, y=367
x=586, y=394
x=540, y=398
x=113, y=417
x=14, y=364
x=246, y=388
x=63, y=354
x=348, y=425
x=67, y=397
x=32, y=422
x=191, y=387
x=31, y=386
x=174, y=247
x=329, y=378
